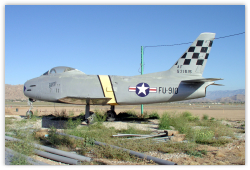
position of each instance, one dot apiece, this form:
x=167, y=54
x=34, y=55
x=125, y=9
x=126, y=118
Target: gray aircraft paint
x=182, y=81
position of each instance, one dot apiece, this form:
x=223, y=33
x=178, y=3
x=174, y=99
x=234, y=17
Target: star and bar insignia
x=142, y=89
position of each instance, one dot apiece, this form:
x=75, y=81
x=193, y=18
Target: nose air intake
x=29, y=86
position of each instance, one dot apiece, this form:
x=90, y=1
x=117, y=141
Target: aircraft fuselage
x=122, y=90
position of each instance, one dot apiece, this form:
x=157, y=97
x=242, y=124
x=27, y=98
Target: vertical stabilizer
x=194, y=60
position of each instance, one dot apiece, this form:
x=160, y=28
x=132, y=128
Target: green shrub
x=154, y=115
x=72, y=124
x=205, y=117
x=189, y=116
x=212, y=118
x=164, y=121
x=100, y=116
x=56, y=139
x=196, y=153
x=181, y=123
x=186, y=114
x=203, y=135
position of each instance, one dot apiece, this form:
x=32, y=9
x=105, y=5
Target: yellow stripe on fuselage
x=107, y=89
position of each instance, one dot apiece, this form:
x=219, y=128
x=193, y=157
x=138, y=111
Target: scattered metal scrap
x=55, y=154
x=140, y=155
x=75, y=159
x=166, y=135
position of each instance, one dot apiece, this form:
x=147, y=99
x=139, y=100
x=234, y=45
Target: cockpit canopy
x=59, y=69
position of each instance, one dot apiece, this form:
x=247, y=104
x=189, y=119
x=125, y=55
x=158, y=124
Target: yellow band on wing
x=107, y=89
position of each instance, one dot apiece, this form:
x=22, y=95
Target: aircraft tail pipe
x=58, y=152
x=140, y=155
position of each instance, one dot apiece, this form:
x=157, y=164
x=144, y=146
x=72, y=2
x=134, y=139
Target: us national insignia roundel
x=142, y=89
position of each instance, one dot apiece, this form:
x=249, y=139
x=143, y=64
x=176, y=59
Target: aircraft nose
x=25, y=88
x=29, y=88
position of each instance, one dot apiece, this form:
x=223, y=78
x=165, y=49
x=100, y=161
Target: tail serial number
x=170, y=90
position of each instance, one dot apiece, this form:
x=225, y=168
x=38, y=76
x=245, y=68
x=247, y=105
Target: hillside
x=235, y=98
x=232, y=99
x=14, y=92
x=223, y=93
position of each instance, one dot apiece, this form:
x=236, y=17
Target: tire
x=111, y=115
x=29, y=114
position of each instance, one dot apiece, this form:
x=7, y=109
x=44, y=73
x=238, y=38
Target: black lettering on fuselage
x=160, y=89
x=170, y=90
x=163, y=91
x=52, y=84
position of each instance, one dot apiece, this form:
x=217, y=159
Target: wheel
x=111, y=115
x=91, y=119
x=29, y=114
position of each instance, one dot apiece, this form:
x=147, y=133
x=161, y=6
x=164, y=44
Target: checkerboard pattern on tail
x=194, y=59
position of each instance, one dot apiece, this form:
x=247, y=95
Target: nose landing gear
x=29, y=113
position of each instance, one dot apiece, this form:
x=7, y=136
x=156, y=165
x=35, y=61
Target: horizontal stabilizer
x=201, y=80
x=217, y=84
x=84, y=101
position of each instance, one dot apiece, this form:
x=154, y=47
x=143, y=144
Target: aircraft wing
x=83, y=101
x=201, y=80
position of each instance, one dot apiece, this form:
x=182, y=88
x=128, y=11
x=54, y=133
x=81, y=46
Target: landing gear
x=89, y=116
x=111, y=115
x=29, y=113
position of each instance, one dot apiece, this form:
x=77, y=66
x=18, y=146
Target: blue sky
x=107, y=40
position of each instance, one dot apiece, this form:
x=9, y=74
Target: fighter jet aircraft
x=183, y=81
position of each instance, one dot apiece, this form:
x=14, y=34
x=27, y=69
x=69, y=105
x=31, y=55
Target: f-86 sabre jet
x=183, y=81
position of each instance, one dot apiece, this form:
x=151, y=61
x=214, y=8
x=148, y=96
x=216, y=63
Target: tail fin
x=194, y=60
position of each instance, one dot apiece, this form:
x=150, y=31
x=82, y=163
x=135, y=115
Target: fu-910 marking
x=170, y=90
x=183, y=81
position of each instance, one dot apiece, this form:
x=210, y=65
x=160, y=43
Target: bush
x=154, y=115
x=164, y=121
x=189, y=116
x=56, y=139
x=100, y=116
x=186, y=114
x=203, y=136
x=205, y=117
x=180, y=122
x=72, y=124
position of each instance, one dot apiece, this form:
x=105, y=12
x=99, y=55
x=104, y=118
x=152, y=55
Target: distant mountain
x=221, y=97
x=14, y=92
x=223, y=93
x=234, y=98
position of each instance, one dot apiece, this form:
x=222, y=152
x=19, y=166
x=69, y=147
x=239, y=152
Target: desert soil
x=230, y=154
